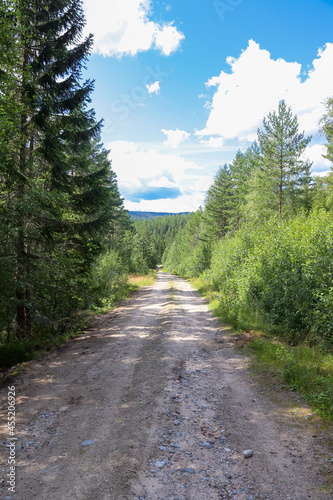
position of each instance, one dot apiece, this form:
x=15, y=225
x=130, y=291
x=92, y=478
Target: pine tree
x=283, y=169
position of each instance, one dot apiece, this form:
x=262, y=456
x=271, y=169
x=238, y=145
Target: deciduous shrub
x=280, y=272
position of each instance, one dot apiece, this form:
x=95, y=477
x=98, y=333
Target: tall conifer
x=65, y=195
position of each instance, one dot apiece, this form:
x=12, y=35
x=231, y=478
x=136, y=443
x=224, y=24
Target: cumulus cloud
x=175, y=137
x=255, y=85
x=123, y=27
x=154, y=88
x=151, y=180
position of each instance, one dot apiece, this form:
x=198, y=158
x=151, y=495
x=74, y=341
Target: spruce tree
x=65, y=196
x=240, y=169
x=219, y=204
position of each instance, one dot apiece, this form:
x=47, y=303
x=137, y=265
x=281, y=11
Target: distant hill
x=151, y=215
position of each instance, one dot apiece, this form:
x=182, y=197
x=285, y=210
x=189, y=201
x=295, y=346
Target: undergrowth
x=305, y=369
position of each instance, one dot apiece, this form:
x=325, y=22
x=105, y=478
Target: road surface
x=153, y=402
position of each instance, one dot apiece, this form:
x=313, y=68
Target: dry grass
x=137, y=281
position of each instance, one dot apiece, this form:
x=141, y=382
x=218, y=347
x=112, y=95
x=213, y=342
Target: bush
x=108, y=280
x=280, y=273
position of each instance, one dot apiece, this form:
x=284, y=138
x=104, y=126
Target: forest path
x=153, y=402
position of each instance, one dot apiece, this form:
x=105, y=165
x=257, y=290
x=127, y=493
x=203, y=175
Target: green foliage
x=225, y=200
x=151, y=237
x=280, y=273
x=17, y=352
x=189, y=254
x=281, y=180
x=282, y=170
x=219, y=204
x=327, y=128
x=322, y=192
x=108, y=280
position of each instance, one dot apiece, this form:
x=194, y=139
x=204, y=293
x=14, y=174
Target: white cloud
x=175, y=137
x=161, y=182
x=213, y=142
x=144, y=172
x=154, y=88
x=202, y=184
x=255, y=85
x=123, y=27
x=315, y=154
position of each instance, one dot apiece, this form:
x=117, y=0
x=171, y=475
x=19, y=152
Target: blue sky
x=182, y=85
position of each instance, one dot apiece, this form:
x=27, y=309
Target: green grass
x=305, y=369
x=308, y=370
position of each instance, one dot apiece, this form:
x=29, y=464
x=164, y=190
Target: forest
x=262, y=242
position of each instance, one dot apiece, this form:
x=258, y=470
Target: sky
x=182, y=85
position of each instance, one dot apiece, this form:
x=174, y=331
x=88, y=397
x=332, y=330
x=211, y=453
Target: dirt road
x=153, y=402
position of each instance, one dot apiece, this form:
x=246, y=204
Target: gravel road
x=154, y=402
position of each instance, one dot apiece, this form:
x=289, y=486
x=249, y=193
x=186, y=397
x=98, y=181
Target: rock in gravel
x=160, y=464
x=248, y=453
x=88, y=442
x=51, y=468
x=207, y=445
x=176, y=422
x=188, y=469
x=163, y=448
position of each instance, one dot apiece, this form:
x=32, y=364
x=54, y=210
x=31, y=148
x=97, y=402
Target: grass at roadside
x=301, y=368
x=21, y=351
x=137, y=281
x=304, y=369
